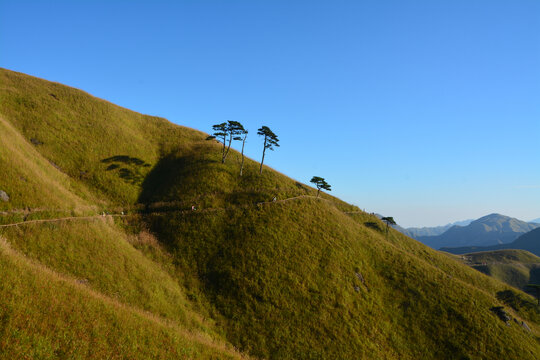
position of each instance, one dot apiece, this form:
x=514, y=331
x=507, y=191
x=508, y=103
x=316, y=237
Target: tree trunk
x=318, y=191
x=242, y=165
x=228, y=148
x=223, y=151
x=262, y=161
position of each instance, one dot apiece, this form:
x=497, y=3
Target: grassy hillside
x=46, y=315
x=301, y=277
x=406, y=306
x=32, y=181
x=514, y=267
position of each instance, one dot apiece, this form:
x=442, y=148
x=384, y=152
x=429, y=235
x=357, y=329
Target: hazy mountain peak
x=488, y=230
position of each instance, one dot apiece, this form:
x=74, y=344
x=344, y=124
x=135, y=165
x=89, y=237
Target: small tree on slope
x=243, y=136
x=234, y=128
x=321, y=184
x=220, y=133
x=223, y=131
x=389, y=221
x=270, y=140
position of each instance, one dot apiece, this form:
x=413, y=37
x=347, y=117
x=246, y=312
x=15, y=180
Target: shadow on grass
x=128, y=168
x=373, y=225
x=520, y=304
x=167, y=179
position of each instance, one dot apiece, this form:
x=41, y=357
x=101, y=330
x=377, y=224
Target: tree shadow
x=172, y=177
x=128, y=168
x=125, y=159
x=373, y=225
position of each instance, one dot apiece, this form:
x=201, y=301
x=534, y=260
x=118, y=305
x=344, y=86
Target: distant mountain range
x=416, y=232
x=529, y=241
x=489, y=230
x=537, y=221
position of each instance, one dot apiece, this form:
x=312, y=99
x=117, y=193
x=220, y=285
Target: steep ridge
x=488, y=230
x=302, y=277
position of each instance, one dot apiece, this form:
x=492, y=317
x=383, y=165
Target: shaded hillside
x=488, y=230
x=529, y=241
x=296, y=278
x=514, y=267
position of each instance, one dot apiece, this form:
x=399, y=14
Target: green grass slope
x=45, y=315
x=106, y=147
x=32, y=181
x=106, y=258
x=287, y=279
x=300, y=277
x=514, y=267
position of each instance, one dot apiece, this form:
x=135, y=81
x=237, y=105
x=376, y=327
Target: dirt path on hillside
x=60, y=219
x=101, y=216
x=192, y=334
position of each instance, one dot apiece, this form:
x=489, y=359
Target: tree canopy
x=270, y=140
x=321, y=184
x=389, y=220
x=233, y=129
x=227, y=131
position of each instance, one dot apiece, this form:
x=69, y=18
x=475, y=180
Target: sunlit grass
x=298, y=277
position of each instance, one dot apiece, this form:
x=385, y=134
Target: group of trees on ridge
x=234, y=131
x=230, y=131
x=227, y=132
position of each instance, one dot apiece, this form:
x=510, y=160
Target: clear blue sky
x=428, y=111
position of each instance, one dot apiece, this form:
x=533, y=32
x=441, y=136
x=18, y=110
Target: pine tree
x=226, y=131
x=233, y=129
x=389, y=221
x=243, y=136
x=321, y=184
x=220, y=133
x=270, y=140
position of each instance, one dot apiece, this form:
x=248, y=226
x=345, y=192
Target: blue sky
x=428, y=111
